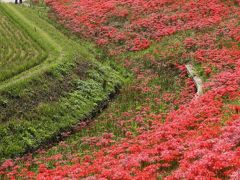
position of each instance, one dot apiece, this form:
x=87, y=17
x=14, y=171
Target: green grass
x=58, y=47
x=55, y=81
x=18, y=51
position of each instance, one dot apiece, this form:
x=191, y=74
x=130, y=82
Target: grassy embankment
x=48, y=81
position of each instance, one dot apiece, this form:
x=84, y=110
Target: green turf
x=18, y=52
x=48, y=80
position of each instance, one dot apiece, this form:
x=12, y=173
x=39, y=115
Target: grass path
x=41, y=34
x=33, y=24
x=19, y=51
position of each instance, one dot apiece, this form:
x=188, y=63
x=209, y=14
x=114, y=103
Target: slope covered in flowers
x=165, y=132
x=132, y=25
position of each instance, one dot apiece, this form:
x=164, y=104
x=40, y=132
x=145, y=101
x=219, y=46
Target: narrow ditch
x=63, y=134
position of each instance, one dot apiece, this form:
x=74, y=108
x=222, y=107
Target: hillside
x=159, y=126
x=43, y=74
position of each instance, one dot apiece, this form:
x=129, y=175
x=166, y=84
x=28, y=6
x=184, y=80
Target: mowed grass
x=51, y=80
x=53, y=42
x=18, y=52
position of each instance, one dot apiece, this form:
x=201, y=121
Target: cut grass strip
x=18, y=51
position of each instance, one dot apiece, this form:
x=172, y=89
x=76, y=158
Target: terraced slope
x=51, y=44
x=48, y=81
x=18, y=51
